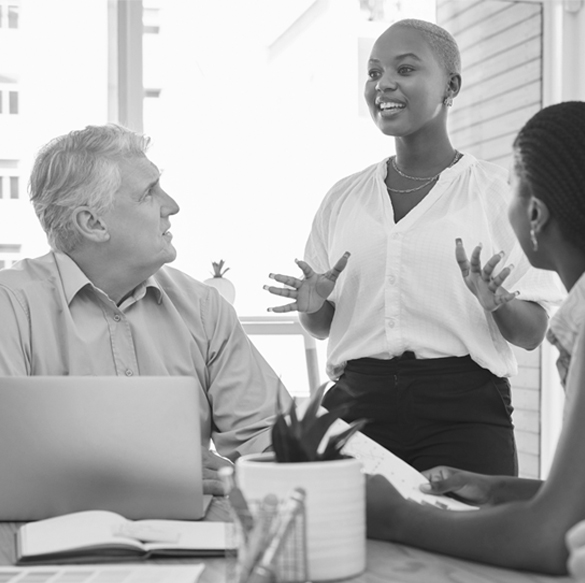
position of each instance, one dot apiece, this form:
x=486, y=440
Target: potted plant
x=307, y=454
x=223, y=285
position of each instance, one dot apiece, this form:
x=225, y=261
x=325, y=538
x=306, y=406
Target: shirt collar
x=149, y=285
x=72, y=277
x=74, y=280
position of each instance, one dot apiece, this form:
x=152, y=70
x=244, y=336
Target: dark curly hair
x=550, y=157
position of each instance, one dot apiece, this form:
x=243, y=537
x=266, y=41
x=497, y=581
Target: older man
x=102, y=302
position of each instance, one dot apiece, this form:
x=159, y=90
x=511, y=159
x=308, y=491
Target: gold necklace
x=428, y=180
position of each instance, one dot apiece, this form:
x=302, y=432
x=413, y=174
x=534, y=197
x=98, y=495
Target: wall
x=501, y=49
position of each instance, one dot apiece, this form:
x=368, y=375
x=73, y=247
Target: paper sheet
x=101, y=573
x=376, y=459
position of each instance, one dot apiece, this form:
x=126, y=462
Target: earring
x=448, y=101
x=533, y=239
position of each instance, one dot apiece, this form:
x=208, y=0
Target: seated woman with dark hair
x=522, y=523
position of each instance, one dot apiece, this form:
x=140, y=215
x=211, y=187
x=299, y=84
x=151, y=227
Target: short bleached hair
x=442, y=43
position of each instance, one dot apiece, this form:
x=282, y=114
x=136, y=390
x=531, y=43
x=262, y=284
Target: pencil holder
x=273, y=549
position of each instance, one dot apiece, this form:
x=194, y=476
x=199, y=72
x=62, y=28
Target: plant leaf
x=313, y=436
x=286, y=447
x=312, y=409
x=337, y=442
x=218, y=270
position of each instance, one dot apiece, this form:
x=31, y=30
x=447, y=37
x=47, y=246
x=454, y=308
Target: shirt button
x=391, y=280
x=129, y=373
x=391, y=323
x=117, y=317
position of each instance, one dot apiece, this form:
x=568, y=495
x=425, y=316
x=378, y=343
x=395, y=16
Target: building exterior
x=11, y=189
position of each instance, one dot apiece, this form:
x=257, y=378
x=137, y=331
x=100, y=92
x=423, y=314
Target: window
x=9, y=98
x=9, y=12
x=13, y=101
x=14, y=187
x=151, y=20
x=12, y=16
x=9, y=254
x=9, y=179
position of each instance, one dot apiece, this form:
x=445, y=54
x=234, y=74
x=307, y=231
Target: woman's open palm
x=310, y=292
x=482, y=282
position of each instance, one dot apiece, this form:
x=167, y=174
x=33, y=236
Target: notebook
x=73, y=443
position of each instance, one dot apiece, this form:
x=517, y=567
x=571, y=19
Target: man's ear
x=89, y=225
x=538, y=214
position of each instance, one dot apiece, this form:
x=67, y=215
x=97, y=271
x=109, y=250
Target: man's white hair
x=80, y=168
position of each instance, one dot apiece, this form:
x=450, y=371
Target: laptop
x=73, y=443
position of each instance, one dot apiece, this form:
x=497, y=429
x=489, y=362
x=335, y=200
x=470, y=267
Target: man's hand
x=309, y=294
x=476, y=489
x=483, y=285
x=211, y=462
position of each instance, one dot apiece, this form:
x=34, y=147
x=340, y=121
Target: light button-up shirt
x=54, y=321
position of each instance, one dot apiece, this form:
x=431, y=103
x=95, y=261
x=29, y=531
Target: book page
x=71, y=532
x=200, y=535
x=376, y=459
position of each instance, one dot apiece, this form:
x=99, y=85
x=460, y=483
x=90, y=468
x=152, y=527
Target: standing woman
x=410, y=348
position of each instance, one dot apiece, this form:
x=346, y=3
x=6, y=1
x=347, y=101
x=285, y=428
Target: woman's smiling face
x=406, y=83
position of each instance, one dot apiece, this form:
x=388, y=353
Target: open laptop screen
x=72, y=443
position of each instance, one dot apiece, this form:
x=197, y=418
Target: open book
x=100, y=535
x=376, y=459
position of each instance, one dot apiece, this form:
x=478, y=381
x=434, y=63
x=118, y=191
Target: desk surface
x=386, y=563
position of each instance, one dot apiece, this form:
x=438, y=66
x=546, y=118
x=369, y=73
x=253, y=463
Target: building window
x=9, y=254
x=9, y=100
x=14, y=187
x=13, y=101
x=12, y=16
x=9, y=179
x=151, y=20
x=9, y=14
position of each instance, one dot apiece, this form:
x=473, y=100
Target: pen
x=237, y=500
x=259, y=536
x=263, y=572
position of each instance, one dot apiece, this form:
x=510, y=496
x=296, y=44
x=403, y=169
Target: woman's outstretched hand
x=309, y=294
x=486, y=287
x=467, y=486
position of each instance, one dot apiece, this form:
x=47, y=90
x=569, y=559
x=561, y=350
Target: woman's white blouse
x=402, y=289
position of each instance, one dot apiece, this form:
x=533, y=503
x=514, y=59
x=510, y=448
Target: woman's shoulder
x=486, y=180
x=489, y=172
x=355, y=183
